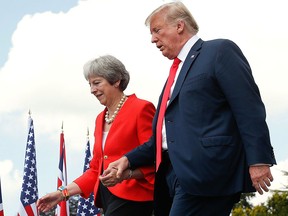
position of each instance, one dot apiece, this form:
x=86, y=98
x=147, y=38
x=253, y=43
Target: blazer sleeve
x=144, y=129
x=235, y=78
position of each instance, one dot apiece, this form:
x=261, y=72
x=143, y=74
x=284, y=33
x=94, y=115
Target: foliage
x=244, y=201
x=277, y=205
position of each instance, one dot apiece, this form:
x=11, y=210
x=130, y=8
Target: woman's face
x=102, y=90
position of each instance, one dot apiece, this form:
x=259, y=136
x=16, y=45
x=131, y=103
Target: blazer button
x=105, y=157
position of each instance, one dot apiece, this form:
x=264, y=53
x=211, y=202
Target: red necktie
x=162, y=110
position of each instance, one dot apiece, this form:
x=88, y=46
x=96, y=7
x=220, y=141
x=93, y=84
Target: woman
x=124, y=124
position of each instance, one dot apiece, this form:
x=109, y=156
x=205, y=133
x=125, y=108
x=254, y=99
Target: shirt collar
x=186, y=48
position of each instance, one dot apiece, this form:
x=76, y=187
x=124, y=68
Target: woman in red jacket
x=125, y=123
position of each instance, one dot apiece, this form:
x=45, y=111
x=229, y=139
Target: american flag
x=63, y=206
x=29, y=192
x=86, y=207
x=1, y=205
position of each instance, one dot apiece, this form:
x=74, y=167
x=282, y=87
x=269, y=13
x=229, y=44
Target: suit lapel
x=192, y=55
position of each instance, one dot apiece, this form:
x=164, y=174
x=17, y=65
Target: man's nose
x=153, y=38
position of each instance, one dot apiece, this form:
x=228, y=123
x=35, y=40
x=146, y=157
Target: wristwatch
x=64, y=192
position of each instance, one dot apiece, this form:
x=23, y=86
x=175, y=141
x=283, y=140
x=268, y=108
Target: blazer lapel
x=192, y=55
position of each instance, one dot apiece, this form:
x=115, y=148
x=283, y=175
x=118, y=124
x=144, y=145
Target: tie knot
x=176, y=62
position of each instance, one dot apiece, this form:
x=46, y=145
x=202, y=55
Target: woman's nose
x=93, y=89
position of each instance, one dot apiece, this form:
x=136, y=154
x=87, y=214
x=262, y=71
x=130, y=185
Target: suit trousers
x=172, y=200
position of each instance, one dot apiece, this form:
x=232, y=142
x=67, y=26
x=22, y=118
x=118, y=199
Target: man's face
x=165, y=36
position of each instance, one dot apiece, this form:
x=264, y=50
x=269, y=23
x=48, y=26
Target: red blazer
x=131, y=128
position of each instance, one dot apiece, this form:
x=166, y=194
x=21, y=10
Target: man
x=215, y=140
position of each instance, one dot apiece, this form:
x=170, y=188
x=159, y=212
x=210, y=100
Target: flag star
x=26, y=200
x=28, y=150
x=29, y=142
x=30, y=134
x=82, y=213
x=29, y=184
x=27, y=192
x=32, y=169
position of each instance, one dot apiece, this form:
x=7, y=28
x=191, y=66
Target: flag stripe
x=29, y=210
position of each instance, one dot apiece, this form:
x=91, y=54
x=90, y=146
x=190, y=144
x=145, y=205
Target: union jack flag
x=63, y=206
x=86, y=207
x=29, y=192
x=1, y=205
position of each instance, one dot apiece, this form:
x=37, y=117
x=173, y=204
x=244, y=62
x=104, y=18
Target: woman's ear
x=116, y=84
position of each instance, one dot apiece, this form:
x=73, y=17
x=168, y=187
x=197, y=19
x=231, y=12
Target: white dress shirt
x=182, y=56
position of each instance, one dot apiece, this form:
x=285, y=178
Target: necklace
x=110, y=120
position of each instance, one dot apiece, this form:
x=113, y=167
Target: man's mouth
x=160, y=47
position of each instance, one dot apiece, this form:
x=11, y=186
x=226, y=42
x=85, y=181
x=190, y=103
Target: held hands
x=261, y=177
x=115, y=173
x=48, y=201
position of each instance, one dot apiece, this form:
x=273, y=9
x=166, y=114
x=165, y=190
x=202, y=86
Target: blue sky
x=44, y=45
x=12, y=11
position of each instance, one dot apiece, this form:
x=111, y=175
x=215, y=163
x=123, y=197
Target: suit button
x=105, y=157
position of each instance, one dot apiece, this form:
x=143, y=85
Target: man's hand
x=113, y=174
x=261, y=177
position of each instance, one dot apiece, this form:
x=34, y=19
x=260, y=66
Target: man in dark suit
x=215, y=140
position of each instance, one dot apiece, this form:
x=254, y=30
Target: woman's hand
x=48, y=201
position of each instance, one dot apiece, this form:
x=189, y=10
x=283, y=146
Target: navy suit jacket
x=215, y=123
